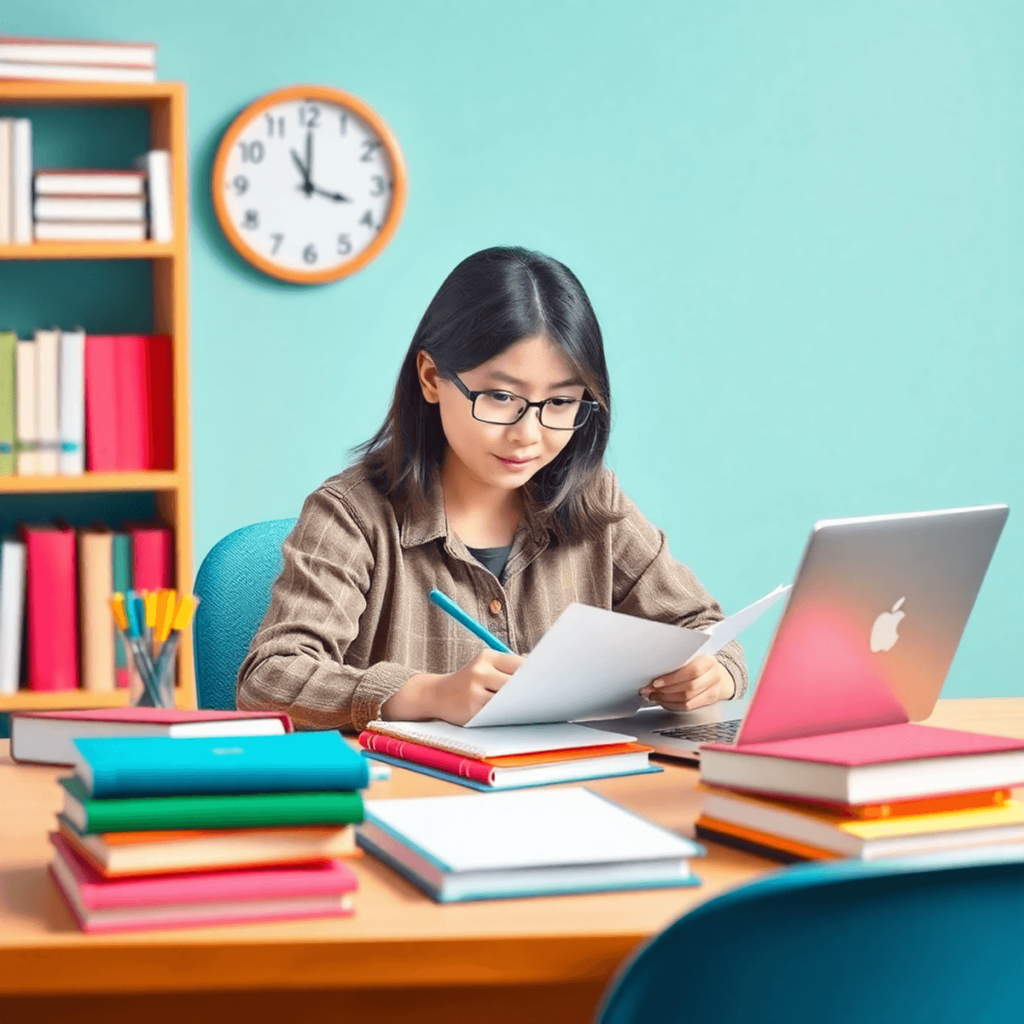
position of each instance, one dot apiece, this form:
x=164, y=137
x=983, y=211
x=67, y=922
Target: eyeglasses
x=505, y=408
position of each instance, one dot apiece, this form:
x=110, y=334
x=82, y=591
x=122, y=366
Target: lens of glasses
x=564, y=414
x=498, y=407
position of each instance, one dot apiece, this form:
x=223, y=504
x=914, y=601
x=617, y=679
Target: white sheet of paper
x=592, y=663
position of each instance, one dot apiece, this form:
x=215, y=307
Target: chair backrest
x=233, y=585
x=932, y=939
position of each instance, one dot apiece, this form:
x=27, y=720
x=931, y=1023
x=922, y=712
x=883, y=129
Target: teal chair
x=928, y=940
x=233, y=585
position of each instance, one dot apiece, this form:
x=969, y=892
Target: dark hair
x=491, y=300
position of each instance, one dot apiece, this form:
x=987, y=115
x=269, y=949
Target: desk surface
x=397, y=938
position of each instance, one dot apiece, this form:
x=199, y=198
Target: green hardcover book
x=8, y=348
x=240, y=810
x=122, y=547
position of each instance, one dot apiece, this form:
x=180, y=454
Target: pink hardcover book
x=188, y=900
x=151, y=557
x=456, y=764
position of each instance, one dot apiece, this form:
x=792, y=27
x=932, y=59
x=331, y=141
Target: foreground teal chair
x=929, y=940
x=233, y=585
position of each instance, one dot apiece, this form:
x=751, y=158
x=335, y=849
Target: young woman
x=486, y=481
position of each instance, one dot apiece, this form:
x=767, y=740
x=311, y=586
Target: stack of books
x=56, y=583
x=161, y=832
x=76, y=60
x=540, y=843
x=883, y=791
x=506, y=757
x=89, y=206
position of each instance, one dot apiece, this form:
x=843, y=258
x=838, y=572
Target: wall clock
x=309, y=184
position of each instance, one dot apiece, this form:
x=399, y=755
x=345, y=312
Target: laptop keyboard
x=714, y=732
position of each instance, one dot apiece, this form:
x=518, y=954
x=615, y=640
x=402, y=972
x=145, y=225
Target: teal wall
x=801, y=224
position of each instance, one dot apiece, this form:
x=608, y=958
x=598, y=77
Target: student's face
x=503, y=456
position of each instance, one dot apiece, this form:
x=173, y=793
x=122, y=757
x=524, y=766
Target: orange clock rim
x=384, y=133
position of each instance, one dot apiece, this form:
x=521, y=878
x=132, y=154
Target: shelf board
x=88, y=251
x=161, y=480
x=55, y=700
x=24, y=91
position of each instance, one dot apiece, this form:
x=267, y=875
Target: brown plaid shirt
x=349, y=620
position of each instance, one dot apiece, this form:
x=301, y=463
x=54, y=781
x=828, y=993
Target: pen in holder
x=152, y=625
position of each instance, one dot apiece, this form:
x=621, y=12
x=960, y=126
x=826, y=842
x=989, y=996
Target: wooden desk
x=401, y=957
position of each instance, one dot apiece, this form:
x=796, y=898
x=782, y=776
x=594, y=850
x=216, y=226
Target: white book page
x=593, y=662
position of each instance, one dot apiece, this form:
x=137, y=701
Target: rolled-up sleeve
x=648, y=582
x=297, y=660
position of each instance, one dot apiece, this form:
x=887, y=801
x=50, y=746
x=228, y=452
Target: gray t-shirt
x=492, y=559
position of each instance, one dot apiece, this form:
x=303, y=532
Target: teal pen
x=446, y=604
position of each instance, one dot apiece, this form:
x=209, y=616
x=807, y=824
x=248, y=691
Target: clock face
x=309, y=184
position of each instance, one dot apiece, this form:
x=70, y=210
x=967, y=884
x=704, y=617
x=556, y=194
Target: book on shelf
x=236, y=810
x=114, y=854
x=89, y=208
x=5, y=180
x=152, y=766
x=157, y=165
x=523, y=843
x=71, y=392
x=47, y=737
x=89, y=183
x=873, y=765
x=121, y=545
x=27, y=425
x=101, y=904
x=89, y=231
x=47, y=343
x=51, y=608
x=536, y=769
x=21, y=180
x=8, y=432
x=12, y=612
x=152, y=557
x=75, y=72
x=27, y=49
x=96, y=588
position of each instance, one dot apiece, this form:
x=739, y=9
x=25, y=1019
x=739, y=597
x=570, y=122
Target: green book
x=122, y=547
x=8, y=347
x=245, y=810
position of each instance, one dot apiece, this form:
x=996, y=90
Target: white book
x=25, y=407
x=75, y=72
x=5, y=180
x=157, y=165
x=12, y=610
x=75, y=51
x=524, y=843
x=89, y=208
x=90, y=183
x=47, y=401
x=71, y=389
x=90, y=231
x=21, y=181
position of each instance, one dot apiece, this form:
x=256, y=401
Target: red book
x=101, y=427
x=455, y=764
x=51, y=608
x=134, y=417
x=152, y=562
x=161, y=406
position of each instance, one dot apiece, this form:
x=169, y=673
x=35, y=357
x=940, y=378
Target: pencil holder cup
x=151, y=677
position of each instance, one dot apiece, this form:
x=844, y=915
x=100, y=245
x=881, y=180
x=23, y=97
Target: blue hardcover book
x=161, y=766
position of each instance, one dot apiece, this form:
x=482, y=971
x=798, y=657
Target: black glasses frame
x=587, y=405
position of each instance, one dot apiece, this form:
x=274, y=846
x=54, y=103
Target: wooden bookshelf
x=165, y=103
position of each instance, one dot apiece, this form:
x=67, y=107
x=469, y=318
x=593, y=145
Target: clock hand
x=309, y=156
x=307, y=184
x=336, y=196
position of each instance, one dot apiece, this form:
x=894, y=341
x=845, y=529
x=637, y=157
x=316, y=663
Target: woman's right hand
x=455, y=697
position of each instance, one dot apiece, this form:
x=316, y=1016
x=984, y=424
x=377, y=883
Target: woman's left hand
x=701, y=681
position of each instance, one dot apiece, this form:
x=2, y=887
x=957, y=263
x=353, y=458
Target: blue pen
x=446, y=604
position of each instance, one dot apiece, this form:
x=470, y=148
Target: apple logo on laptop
x=883, y=632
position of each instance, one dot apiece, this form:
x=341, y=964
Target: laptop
x=878, y=597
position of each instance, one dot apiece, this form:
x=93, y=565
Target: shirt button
x=495, y=606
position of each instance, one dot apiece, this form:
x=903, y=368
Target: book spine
x=161, y=401
x=21, y=181
x=144, y=814
x=131, y=376
x=464, y=767
x=101, y=426
x=121, y=547
x=72, y=403
x=5, y=180
x=95, y=552
x=8, y=434
x=47, y=401
x=52, y=609
x=151, y=558
x=25, y=398
x=76, y=72
x=12, y=612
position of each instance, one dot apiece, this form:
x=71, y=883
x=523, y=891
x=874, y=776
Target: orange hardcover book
x=575, y=754
x=762, y=843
